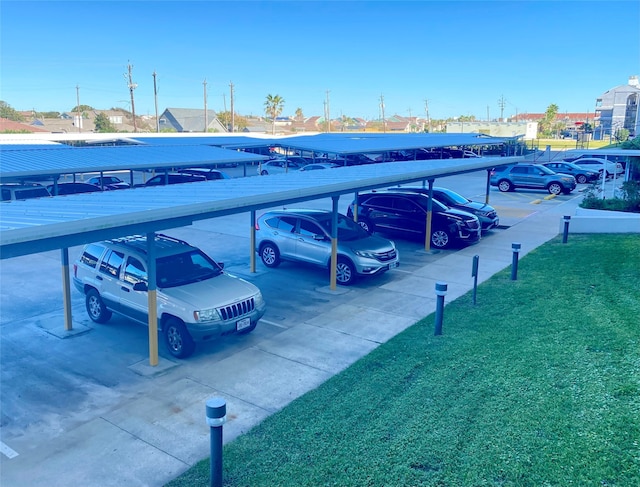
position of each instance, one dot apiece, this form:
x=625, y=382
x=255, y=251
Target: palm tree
x=273, y=107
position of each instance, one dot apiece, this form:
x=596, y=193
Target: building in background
x=617, y=109
x=525, y=130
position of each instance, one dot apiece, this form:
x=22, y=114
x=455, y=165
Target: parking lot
x=61, y=391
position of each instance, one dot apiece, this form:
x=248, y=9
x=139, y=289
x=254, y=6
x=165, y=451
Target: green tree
x=239, y=121
x=299, y=114
x=81, y=108
x=273, y=107
x=546, y=124
x=103, y=124
x=6, y=111
x=622, y=135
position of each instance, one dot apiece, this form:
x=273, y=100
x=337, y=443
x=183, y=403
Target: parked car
x=406, y=212
x=108, y=182
x=600, y=165
x=208, y=174
x=197, y=300
x=532, y=176
x=17, y=191
x=315, y=167
x=581, y=174
x=171, y=178
x=486, y=213
x=305, y=236
x=278, y=166
x=72, y=188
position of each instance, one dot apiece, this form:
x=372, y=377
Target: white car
x=197, y=300
x=597, y=164
x=279, y=166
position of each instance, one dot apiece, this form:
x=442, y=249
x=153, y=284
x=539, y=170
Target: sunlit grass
x=536, y=385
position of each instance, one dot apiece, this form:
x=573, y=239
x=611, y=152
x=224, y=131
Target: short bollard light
x=515, y=247
x=565, y=234
x=216, y=417
x=441, y=292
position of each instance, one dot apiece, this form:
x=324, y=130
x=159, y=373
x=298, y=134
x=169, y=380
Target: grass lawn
x=560, y=144
x=537, y=385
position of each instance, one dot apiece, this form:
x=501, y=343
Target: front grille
x=472, y=224
x=386, y=256
x=491, y=214
x=237, y=309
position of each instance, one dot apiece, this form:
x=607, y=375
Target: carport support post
x=252, y=257
x=152, y=300
x=441, y=291
x=488, y=187
x=515, y=247
x=565, y=233
x=334, y=241
x=216, y=416
x=427, y=233
x=66, y=289
x=355, y=207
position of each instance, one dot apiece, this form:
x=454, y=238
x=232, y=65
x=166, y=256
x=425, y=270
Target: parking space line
x=272, y=323
x=7, y=452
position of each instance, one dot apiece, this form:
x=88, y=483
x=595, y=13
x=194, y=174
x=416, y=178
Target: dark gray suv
x=531, y=176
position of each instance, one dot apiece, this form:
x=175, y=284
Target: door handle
x=125, y=289
x=99, y=278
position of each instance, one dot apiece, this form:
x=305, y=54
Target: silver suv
x=197, y=300
x=305, y=236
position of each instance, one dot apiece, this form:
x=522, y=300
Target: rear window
x=91, y=255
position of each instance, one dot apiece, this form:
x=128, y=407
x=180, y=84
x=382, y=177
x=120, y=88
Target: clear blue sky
x=462, y=57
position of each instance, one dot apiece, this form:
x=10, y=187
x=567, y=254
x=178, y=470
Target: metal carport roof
x=45, y=224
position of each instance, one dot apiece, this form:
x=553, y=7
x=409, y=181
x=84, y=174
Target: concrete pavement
x=151, y=427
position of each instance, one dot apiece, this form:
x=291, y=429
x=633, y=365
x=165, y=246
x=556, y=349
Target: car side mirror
x=140, y=286
x=220, y=264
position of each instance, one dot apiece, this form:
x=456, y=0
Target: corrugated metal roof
x=56, y=160
x=40, y=225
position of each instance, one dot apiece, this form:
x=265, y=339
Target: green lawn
x=537, y=385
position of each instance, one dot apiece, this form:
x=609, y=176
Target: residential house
x=190, y=120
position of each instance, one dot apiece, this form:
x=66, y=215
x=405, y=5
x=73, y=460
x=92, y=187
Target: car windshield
x=347, y=228
x=456, y=198
x=186, y=268
x=545, y=170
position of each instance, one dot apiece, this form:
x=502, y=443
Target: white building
x=617, y=109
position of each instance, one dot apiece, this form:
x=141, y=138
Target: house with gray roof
x=190, y=120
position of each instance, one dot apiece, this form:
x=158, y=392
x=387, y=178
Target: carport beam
x=66, y=289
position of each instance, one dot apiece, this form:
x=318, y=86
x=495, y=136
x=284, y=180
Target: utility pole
x=132, y=86
x=328, y=114
x=501, y=104
x=233, y=121
x=384, y=122
x=155, y=100
x=78, y=108
x=426, y=109
x=206, y=121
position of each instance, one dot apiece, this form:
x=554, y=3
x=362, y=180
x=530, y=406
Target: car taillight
x=257, y=225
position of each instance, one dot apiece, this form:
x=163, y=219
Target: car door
x=524, y=176
x=134, y=304
x=282, y=229
x=108, y=277
x=312, y=243
x=379, y=211
x=408, y=216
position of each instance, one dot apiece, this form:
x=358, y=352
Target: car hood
x=212, y=293
x=371, y=244
x=477, y=206
x=459, y=213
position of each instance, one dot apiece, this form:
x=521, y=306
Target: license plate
x=392, y=265
x=243, y=323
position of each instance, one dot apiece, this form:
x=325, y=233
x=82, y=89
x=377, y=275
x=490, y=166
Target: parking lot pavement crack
x=144, y=441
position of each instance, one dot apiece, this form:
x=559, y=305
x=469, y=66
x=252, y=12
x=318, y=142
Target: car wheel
x=270, y=255
x=264, y=172
x=505, y=186
x=366, y=226
x=581, y=178
x=96, y=308
x=440, y=239
x=178, y=340
x=555, y=188
x=345, y=272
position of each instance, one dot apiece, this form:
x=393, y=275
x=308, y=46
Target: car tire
x=96, y=308
x=270, y=255
x=264, y=172
x=366, y=225
x=178, y=340
x=505, y=186
x=555, y=188
x=440, y=239
x=345, y=272
x=581, y=178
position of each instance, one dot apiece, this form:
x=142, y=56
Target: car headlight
x=568, y=180
x=258, y=300
x=364, y=253
x=210, y=314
